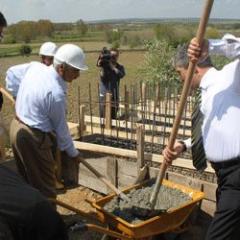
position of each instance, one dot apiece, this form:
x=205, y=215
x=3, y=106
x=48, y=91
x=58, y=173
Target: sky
x=89, y=10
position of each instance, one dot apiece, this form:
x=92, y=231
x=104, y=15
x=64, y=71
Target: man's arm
x=118, y=69
x=14, y=76
x=178, y=148
x=58, y=119
x=228, y=46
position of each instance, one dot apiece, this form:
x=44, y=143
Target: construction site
x=126, y=153
x=123, y=177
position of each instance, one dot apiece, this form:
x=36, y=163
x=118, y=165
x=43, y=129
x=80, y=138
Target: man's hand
x=78, y=158
x=170, y=155
x=197, y=53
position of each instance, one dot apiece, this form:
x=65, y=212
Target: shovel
x=183, y=99
x=105, y=181
x=7, y=95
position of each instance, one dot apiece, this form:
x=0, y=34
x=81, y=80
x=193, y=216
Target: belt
x=226, y=164
x=32, y=128
x=19, y=120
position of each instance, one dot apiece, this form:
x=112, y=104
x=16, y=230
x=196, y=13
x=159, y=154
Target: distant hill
x=159, y=20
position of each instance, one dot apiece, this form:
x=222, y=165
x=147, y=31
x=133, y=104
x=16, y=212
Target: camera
x=105, y=57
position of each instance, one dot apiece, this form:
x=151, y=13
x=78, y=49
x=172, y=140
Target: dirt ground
x=77, y=198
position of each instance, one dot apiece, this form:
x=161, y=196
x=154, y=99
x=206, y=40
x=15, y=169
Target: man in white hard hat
x=41, y=110
x=15, y=74
x=47, y=52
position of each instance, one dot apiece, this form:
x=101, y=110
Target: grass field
x=13, y=49
x=130, y=59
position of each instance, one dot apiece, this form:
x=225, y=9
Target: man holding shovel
x=41, y=110
x=220, y=107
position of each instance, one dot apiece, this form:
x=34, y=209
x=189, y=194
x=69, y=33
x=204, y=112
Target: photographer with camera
x=110, y=75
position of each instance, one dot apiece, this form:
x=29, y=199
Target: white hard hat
x=48, y=49
x=71, y=55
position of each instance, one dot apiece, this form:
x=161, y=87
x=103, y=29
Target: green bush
x=116, y=44
x=9, y=39
x=157, y=65
x=157, y=69
x=212, y=32
x=135, y=41
x=113, y=35
x=25, y=50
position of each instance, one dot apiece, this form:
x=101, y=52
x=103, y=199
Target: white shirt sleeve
x=58, y=119
x=14, y=76
x=228, y=46
x=188, y=143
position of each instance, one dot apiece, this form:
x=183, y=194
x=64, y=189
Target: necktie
x=198, y=152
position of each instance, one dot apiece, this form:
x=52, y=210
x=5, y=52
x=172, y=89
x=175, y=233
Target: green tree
x=26, y=31
x=157, y=65
x=113, y=35
x=174, y=34
x=45, y=28
x=82, y=27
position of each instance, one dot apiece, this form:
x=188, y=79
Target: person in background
x=15, y=74
x=41, y=110
x=220, y=107
x=110, y=75
x=47, y=52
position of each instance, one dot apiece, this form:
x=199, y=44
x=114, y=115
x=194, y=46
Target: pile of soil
x=139, y=209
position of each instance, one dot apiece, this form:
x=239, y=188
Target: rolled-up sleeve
x=14, y=76
x=57, y=114
x=229, y=48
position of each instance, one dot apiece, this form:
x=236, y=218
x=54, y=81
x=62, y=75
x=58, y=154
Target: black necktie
x=198, y=152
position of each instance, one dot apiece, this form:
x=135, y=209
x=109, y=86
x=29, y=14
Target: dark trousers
x=114, y=108
x=226, y=221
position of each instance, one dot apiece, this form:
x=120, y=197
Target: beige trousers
x=32, y=150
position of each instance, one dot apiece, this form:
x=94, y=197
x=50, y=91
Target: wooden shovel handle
x=104, y=180
x=7, y=94
x=183, y=99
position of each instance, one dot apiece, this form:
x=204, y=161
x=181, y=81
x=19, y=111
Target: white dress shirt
x=14, y=76
x=221, y=104
x=41, y=104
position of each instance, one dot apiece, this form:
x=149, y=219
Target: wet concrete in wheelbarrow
x=138, y=209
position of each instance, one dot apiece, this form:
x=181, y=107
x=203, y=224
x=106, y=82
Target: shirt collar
x=206, y=80
x=61, y=81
